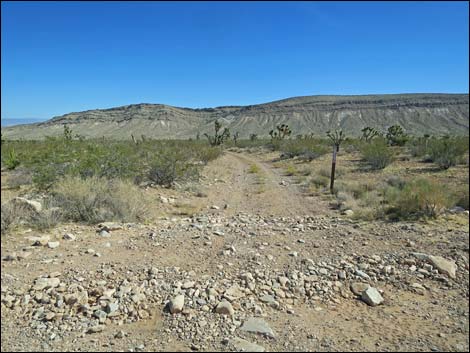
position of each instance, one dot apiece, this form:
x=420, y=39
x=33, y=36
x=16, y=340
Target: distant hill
x=416, y=113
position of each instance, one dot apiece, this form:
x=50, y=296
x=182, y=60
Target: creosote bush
x=93, y=200
x=447, y=151
x=304, y=149
x=55, y=158
x=377, y=153
x=418, y=198
x=17, y=214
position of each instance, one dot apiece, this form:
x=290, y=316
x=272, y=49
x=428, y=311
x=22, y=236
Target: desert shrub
x=357, y=189
x=54, y=158
x=418, y=198
x=45, y=175
x=48, y=218
x=320, y=181
x=419, y=146
x=352, y=145
x=395, y=181
x=11, y=161
x=290, y=170
x=377, y=153
x=15, y=214
x=461, y=197
x=447, y=151
x=345, y=201
x=254, y=169
x=306, y=149
x=8, y=217
x=172, y=167
x=325, y=171
x=254, y=142
x=205, y=153
x=364, y=198
x=94, y=200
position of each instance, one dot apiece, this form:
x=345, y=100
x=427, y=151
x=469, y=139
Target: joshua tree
x=253, y=137
x=396, y=136
x=235, y=137
x=67, y=133
x=337, y=138
x=218, y=139
x=282, y=132
x=368, y=133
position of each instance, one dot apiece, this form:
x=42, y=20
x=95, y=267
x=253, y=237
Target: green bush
x=419, y=146
x=447, y=151
x=320, y=181
x=93, y=200
x=15, y=214
x=12, y=161
x=461, y=197
x=172, y=167
x=418, y=198
x=306, y=149
x=55, y=158
x=377, y=153
x=8, y=217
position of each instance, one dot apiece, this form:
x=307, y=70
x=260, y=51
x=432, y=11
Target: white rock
x=259, y=326
x=53, y=244
x=176, y=304
x=224, y=308
x=372, y=297
x=443, y=265
x=43, y=283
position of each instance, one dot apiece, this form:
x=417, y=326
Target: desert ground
x=261, y=263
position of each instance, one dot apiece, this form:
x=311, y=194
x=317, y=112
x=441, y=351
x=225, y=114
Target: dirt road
x=267, y=248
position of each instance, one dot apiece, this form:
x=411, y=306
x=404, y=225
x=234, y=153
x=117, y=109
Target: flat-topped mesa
x=434, y=114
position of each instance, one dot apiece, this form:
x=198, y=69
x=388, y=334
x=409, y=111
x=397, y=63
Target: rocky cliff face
x=416, y=113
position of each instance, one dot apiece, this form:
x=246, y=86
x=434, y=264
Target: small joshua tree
x=282, y=132
x=396, y=136
x=368, y=133
x=67, y=133
x=218, y=139
x=337, y=138
x=253, y=137
x=235, y=137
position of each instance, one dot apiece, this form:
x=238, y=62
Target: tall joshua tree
x=282, y=132
x=337, y=137
x=218, y=139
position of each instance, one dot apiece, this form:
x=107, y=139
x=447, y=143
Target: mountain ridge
x=417, y=113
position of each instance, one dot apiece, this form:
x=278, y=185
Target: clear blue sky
x=64, y=57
